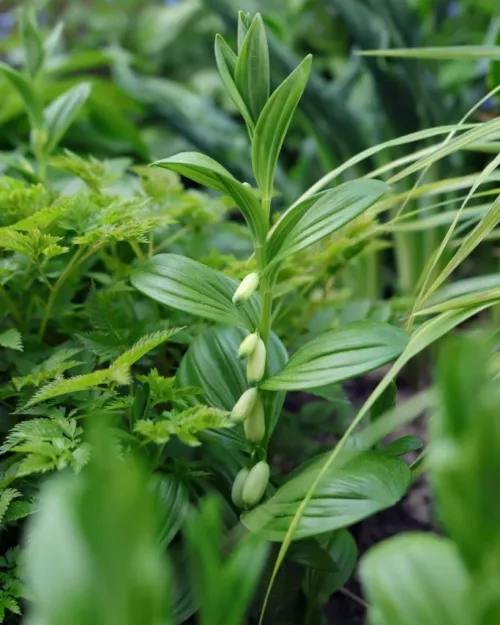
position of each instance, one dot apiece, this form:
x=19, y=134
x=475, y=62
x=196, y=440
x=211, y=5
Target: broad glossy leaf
x=343, y=551
x=339, y=355
x=252, y=68
x=211, y=364
x=208, y=172
x=364, y=485
x=317, y=217
x=403, y=445
x=172, y=502
x=61, y=113
x=273, y=124
x=416, y=579
x=187, y=285
x=312, y=555
x=226, y=64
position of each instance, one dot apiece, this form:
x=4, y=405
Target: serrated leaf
x=211, y=363
x=339, y=355
x=252, y=68
x=416, y=579
x=226, y=64
x=187, y=285
x=210, y=173
x=76, y=384
x=317, y=217
x=186, y=425
x=12, y=339
x=7, y=496
x=273, y=124
x=364, y=485
x=61, y=113
x=143, y=346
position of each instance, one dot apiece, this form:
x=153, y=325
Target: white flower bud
x=237, y=489
x=255, y=423
x=246, y=288
x=245, y=404
x=256, y=484
x=248, y=345
x=256, y=365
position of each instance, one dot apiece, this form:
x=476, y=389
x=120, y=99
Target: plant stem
x=77, y=259
x=267, y=281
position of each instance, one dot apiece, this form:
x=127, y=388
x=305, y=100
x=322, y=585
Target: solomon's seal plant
x=240, y=364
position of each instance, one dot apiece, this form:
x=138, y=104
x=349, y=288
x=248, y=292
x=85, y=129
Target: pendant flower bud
x=248, y=345
x=255, y=423
x=246, y=289
x=256, y=365
x=237, y=489
x=245, y=405
x=256, y=484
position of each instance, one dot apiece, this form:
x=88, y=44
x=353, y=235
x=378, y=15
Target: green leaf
x=187, y=285
x=464, y=458
x=27, y=93
x=211, y=363
x=312, y=555
x=244, y=22
x=364, y=485
x=416, y=579
x=92, y=531
x=226, y=64
x=468, y=53
x=210, y=173
x=186, y=425
x=32, y=42
x=252, y=68
x=75, y=384
x=319, y=216
x=173, y=503
x=338, y=355
x=144, y=345
x=321, y=585
x=7, y=496
x=223, y=586
x=11, y=339
x=60, y=113
x=403, y=445
x=273, y=124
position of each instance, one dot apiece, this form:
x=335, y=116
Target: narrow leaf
x=338, y=355
x=28, y=95
x=187, y=285
x=210, y=173
x=61, y=113
x=364, y=485
x=317, y=217
x=226, y=64
x=252, y=68
x=273, y=124
x=32, y=42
